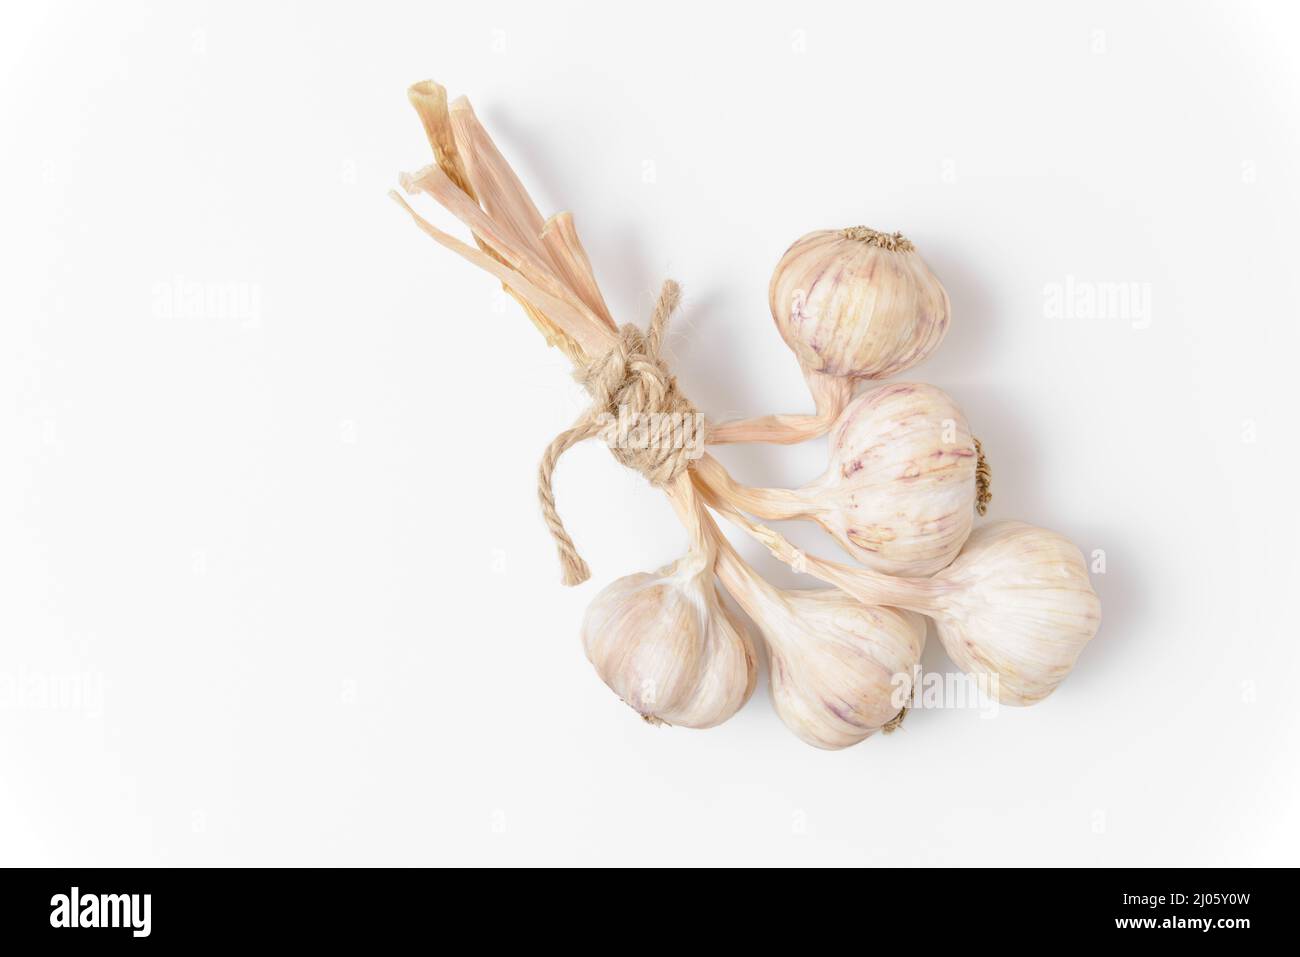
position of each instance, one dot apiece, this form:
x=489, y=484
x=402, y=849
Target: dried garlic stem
x=734, y=571
x=507, y=201
x=776, y=504
x=588, y=339
x=867, y=586
x=830, y=395
x=561, y=238
x=430, y=102
x=695, y=518
x=504, y=243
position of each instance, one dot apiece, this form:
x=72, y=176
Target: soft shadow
x=973, y=332
x=1124, y=607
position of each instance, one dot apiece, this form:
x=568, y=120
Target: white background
x=273, y=583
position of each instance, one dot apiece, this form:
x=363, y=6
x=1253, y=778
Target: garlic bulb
x=839, y=670
x=667, y=646
x=859, y=303
x=1016, y=604
x=899, y=493
x=664, y=642
x=1019, y=605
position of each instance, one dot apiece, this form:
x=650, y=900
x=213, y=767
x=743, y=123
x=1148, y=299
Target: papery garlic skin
x=667, y=646
x=1017, y=604
x=899, y=492
x=858, y=303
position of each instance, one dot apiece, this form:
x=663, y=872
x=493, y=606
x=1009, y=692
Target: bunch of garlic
x=899, y=492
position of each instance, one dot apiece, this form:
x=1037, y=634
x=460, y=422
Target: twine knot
x=630, y=384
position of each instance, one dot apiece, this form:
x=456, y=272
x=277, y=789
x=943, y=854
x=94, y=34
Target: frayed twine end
x=574, y=569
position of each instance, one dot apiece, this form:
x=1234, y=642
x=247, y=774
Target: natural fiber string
x=983, y=478
x=632, y=379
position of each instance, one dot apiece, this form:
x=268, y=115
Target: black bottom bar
x=336, y=907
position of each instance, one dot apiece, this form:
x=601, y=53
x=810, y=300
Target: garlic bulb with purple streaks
x=899, y=493
x=857, y=303
x=839, y=670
